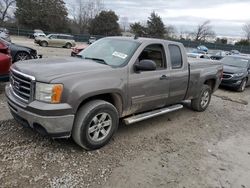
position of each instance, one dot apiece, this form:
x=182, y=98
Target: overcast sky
x=227, y=16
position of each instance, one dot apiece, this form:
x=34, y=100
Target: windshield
x=236, y=61
x=110, y=51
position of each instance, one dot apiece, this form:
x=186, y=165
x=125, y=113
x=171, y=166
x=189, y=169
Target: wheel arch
x=113, y=98
x=211, y=82
x=21, y=51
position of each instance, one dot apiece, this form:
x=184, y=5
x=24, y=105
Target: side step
x=147, y=115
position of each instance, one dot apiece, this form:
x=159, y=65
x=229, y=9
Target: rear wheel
x=44, y=44
x=242, y=85
x=95, y=124
x=201, y=103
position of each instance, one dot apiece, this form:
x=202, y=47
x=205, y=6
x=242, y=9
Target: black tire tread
x=82, y=114
x=195, y=103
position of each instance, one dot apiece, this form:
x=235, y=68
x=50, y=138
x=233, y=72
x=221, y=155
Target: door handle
x=163, y=77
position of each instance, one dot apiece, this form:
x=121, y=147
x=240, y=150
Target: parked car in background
x=116, y=78
x=234, y=52
x=20, y=53
x=219, y=55
x=198, y=56
x=92, y=40
x=202, y=48
x=5, y=64
x=197, y=51
x=216, y=57
x=77, y=49
x=37, y=33
x=4, y=34
x=56, y=40
x=236, y=72
x=223, y=53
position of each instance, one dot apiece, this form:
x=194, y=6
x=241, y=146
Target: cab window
x=154, y=52
x=175, y=56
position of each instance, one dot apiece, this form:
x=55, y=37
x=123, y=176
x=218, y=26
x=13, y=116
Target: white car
x=39, y=35
x=4, y=34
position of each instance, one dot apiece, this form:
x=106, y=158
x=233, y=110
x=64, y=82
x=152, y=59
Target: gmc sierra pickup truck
x=115, y=78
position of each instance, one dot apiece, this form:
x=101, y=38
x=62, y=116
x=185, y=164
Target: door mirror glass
x=145, y=65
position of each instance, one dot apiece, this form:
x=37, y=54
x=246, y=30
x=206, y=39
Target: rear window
x=175, y=56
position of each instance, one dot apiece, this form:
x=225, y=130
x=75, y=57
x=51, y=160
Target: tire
x=89, y=129
x=44, y=44
x=68, y=45
x=22, y=56
x=201, y=103
x=242, y=85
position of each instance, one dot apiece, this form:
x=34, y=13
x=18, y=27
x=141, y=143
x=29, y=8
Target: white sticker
x=120, y=55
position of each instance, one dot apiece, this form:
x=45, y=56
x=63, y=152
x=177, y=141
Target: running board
x=147, y=115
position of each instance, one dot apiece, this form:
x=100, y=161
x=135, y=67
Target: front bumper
x=233, y=83
x=34, y=115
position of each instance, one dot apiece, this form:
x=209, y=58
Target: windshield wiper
x=102, y=61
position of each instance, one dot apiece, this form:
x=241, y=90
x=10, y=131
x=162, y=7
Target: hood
x=232, y=69
x=19, y=47
x=46, y=70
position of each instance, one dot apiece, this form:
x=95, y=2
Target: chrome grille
x=22, y=85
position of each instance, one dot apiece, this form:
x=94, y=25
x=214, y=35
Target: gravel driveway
x=180, y=149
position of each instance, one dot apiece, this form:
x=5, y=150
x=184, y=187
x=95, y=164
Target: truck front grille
x=22, y=85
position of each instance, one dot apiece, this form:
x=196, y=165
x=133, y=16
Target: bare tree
x=170, y=31
x=4, y=9
x=124, y=23
x=246, y=29
x=203, y=31
x=84, y=11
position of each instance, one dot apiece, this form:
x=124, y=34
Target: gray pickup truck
x=116, y=78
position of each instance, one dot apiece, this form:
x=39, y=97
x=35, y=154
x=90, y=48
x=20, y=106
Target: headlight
x=238, y=74
x=50, y=93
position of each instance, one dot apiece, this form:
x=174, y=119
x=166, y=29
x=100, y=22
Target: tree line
x=90, y=16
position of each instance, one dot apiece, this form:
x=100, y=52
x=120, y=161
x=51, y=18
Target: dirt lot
x=181, y=149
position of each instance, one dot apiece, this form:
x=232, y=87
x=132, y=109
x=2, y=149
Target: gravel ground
x=181, y=149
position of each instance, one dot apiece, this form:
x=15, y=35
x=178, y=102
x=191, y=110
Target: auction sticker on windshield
x=120, y=55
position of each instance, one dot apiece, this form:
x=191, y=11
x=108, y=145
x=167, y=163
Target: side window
x=175, y=56
x=61, y=37
x=53, y=37
x=154, y=52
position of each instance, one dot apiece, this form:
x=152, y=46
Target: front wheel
x=68, y=45
x=44, y=44
x=22, y=56
x=95, y=124
x=201, y=103
x=242, y=85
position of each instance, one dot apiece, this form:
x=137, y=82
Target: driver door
x=149, y=89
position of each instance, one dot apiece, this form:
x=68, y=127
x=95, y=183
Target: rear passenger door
x=179, y=73
x=53, y=40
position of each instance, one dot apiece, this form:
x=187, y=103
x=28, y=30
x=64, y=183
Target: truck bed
x=201, y=70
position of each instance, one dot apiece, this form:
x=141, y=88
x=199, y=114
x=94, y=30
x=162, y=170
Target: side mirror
x=145, y=65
